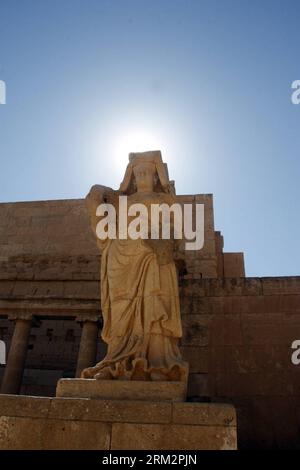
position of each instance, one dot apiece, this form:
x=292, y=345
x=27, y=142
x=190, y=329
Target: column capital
x=25, y=316
x=21, y=316
x=91, y=317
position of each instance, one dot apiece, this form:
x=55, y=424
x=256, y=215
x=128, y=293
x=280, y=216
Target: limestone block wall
x=47, y=240
x=237, y=338
x=45, y=228
x=228, y=264
x=53, y=240
x=33, y=423
x=237, y=331
x=202, y=263
x=233, y=265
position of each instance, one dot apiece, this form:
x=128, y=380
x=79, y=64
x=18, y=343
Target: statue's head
x=145, y=175
x=146, y=172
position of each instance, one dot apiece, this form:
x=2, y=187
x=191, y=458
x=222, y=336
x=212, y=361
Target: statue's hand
x=98, y=192
x=164, y=250
x=98, y=195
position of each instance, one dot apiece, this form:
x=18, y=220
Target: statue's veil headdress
x=163, y=184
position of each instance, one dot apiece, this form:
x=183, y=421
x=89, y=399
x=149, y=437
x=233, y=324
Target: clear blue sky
x=211, y=80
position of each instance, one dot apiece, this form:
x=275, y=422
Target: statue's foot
x=87, y=373
x=158, y=376
x=104, y=374
x=96, y=373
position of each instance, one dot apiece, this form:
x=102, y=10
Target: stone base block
x=122, y=389
x=93, y=424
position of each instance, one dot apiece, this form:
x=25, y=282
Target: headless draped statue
x=139, y=287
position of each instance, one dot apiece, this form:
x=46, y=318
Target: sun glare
x=136, y=141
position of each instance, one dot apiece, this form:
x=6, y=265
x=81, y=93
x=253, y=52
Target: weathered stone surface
x=197, y=358
x=248, y=353
x=70, y=423
x=208, y=414
x=20, y=405
x=196, y=330
x=110, y=410
x=200, y=386
x=77, y=435
x=281, y=285
x=167, y=437
x=18, y=433
x=233, y=265
x=247, y=361
x=121, y=389
x=66, y=249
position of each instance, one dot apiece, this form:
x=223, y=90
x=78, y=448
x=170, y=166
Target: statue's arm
x=98, y=195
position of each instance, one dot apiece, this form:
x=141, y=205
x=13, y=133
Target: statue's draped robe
x=140, y=306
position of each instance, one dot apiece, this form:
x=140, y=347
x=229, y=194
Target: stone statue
x=139, y=287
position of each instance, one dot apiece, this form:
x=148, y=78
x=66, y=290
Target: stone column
x=14, y=369
x=88, y=343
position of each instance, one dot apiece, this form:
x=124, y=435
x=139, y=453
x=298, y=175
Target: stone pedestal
x=97, y=424
x=122, y=390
